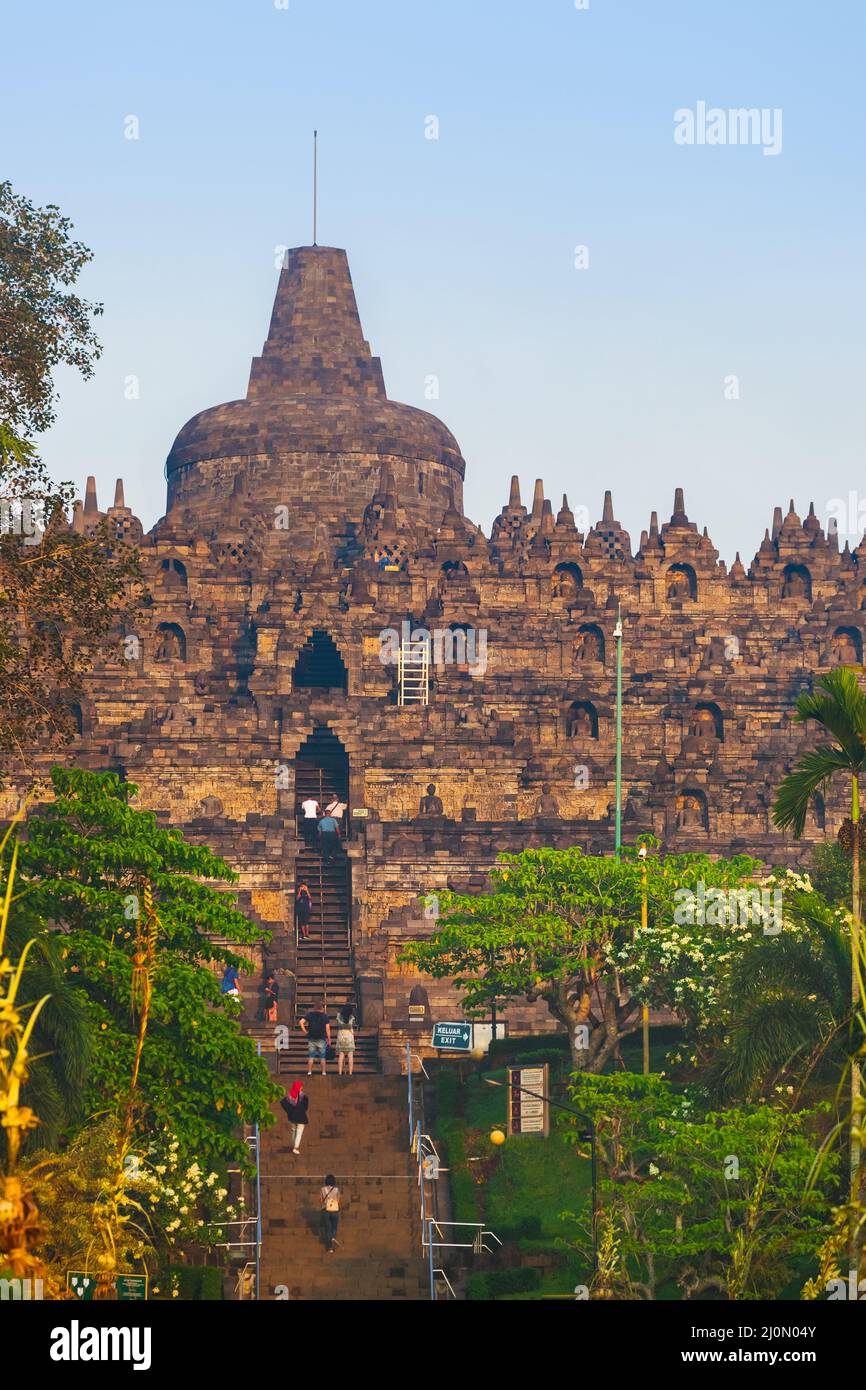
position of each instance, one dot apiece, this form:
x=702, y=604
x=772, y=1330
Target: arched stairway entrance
x=325, y=971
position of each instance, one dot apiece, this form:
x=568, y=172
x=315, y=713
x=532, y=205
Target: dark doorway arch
x=567, y=581
x=171, y=643
x=796, y=582
x=322, y=768
x=682, y=583
x=847, y=646
x=581, y=720
x=174, y=573
x=319, y=665
x=590, y=643
x=707, y=722
x=691, y=810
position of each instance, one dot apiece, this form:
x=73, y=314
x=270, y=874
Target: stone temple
x=312, y=527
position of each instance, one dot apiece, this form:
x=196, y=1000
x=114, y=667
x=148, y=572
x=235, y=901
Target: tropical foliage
x=714, y=1202
x=560, y=925
x=84, y=865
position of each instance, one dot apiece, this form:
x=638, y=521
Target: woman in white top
x=345, y=1044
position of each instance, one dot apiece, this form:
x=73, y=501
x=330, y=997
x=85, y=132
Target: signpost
x=452, y=1037
x=529, y=1114
x=128, y=1288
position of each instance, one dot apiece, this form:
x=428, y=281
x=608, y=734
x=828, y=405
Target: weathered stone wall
x=203, y=711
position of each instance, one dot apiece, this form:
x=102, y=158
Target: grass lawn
x=520, y=1189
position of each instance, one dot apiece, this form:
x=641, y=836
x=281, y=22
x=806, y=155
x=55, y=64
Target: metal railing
x=433, y=1230
x=249, y=1227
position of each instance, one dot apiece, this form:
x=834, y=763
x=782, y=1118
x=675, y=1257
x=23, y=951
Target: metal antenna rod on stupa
x=315, y=183
x=617, y=632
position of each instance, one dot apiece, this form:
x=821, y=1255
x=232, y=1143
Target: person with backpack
x=303, y=910
x=297, y=1107
x=330, y=1202
x=345, y=1044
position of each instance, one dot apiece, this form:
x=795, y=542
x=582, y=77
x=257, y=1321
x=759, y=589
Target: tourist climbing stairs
x=324, y=962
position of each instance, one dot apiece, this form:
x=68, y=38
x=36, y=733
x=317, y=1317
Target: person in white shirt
x=311, y=811
x=335, y=808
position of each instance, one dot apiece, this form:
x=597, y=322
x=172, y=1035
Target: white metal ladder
x=414, y=672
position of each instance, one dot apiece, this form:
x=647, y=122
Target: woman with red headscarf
x=297, y=1107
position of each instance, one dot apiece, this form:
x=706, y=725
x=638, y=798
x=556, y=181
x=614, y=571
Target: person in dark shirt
x=316, y=1028
x=303, y=910
x=270, y=995
x=297, y=1107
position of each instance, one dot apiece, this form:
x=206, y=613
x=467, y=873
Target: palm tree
x=787, y=997
x=60, y=1045
x=839, y=707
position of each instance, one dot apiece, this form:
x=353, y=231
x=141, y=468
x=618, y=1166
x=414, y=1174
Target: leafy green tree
x=167, y=1203
x=64, y=595
x=560, y=925
x=84, y=864
x=60, y=1043
x=830, y=871
x=838, y=707
x=43, y=323
x=784, y=1002
x=715, y=1202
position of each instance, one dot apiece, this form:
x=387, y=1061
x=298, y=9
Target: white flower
x=653, y=1171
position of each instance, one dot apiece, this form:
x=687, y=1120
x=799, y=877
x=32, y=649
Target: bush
x=211, y=1284
x=477, y=1289
x=464, y=1193
x=528, y=1228
x=526, y=1050
x=501, y=1281
x=197, y=1283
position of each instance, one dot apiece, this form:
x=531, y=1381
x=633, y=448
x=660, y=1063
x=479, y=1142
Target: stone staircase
x=358, y=1131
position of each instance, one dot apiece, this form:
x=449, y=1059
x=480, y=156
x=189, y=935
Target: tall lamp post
x=643, y=922
x=617, y=633
x=589, y=1135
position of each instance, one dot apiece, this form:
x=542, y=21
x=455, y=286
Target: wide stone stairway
x=358, y=1131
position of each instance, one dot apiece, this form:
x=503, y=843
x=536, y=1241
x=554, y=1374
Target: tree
x=785, y=1000
x=87, y=862
x=715, y=1201
x=64, y=595
x=559, y=925
x=166, y=1202
x=60, y=1043
x=839, y=708
x=43, y=324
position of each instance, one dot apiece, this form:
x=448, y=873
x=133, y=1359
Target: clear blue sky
x=556, y=129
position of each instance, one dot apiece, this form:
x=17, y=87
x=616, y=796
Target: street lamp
x=617, y=633
x=589, y=1135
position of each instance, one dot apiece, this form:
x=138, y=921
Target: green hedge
x=528, y=1228
x=482, y=1287
x=527, y=1049
x=464, y=1191
x=198, y=1283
